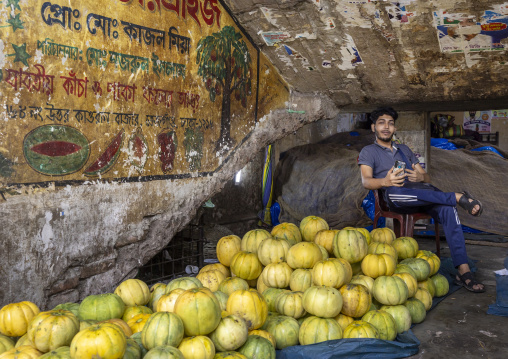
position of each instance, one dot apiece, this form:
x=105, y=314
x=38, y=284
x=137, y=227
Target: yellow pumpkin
x=260, y=284
x=53, y=329
x=356, y=300
x=290, y=304
x=227, y=247
x=348, y=269
x=429, y=285
x=133, y=292
x=120, y=324
x=277, y=275
x=230, y=334
x=131, y=312
x=167, y=302
x=431, y=258
x=287, y=231
x=211, y=279
x=365, y=233
x=300, y=280
x=137, y=322
x=360, y=329
x=324, y=252
x=316, y=330
x=325, y=238
x=411, y=283
x=424, y=296
x=183, y=283
x=329, y=273
x=273, y=250
x=198, y=347
x=380, y=248
x=156, y=292
x=310, y=226
x=250, y=305
x=15, y=317
x=252, y=239
x=24, y=340
x=321, y=301
x=375, y=265
x=216, y=266
x=383, y=235
x=304, y=255
x=199, y=310
x=344, y=320
x=246, y=265
x=21, y=352
x=103, y=340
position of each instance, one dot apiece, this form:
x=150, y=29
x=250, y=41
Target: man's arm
x=392, y=178
x=418, y=174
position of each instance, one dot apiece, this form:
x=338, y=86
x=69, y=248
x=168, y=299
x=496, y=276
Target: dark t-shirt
x=381, y=159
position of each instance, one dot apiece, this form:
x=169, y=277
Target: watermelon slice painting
x=108, y=158
x=56, y=150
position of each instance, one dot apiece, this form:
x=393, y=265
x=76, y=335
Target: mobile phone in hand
x=400, y=164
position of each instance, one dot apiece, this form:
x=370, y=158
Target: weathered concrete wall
x=61, y=244
x=367, y=53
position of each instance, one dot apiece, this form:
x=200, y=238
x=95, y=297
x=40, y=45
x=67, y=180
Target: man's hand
x=415, y=175
x=394, y=178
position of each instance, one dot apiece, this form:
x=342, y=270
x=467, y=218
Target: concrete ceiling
x=403, y=63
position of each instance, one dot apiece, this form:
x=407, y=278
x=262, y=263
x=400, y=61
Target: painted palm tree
x=224, y=65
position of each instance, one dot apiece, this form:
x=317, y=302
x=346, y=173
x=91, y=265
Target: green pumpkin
x=383, y=322
x=390, y=290
x=59, y=353
x=285, y=330
x=162, y=328
x=416, y=309
x=442, y=285
x=101, y=307
x=401, y=315
x=71, y=307
x=137, y=338
x=350, y=244
x=164, y=352
x=132, y=351
x=230, y=334
x=420, y=266
x=222, y=298
x=258, y=347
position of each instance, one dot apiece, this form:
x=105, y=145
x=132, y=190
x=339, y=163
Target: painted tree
x=224, y=65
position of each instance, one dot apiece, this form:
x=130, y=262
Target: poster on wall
x=478, y=121
x=500, y=115
x=464, y=32
x=129, y=90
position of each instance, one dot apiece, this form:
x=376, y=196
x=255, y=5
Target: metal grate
x=184, y=251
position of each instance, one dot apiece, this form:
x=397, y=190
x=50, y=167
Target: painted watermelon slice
x=107, y=158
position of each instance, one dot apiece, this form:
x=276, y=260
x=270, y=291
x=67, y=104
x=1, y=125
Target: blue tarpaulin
x=500, y=307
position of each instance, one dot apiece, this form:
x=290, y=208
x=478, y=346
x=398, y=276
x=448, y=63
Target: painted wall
x=118, y=121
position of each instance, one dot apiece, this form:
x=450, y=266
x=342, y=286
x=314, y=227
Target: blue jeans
x=440, y=205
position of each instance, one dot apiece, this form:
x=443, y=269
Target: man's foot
x=467, y=281
x=471, y=205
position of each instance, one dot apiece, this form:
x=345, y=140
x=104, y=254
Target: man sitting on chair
x=410, y=191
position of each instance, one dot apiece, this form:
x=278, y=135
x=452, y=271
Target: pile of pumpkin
x=269, y=290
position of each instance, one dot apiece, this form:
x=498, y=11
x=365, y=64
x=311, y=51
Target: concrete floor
x=459, y=326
